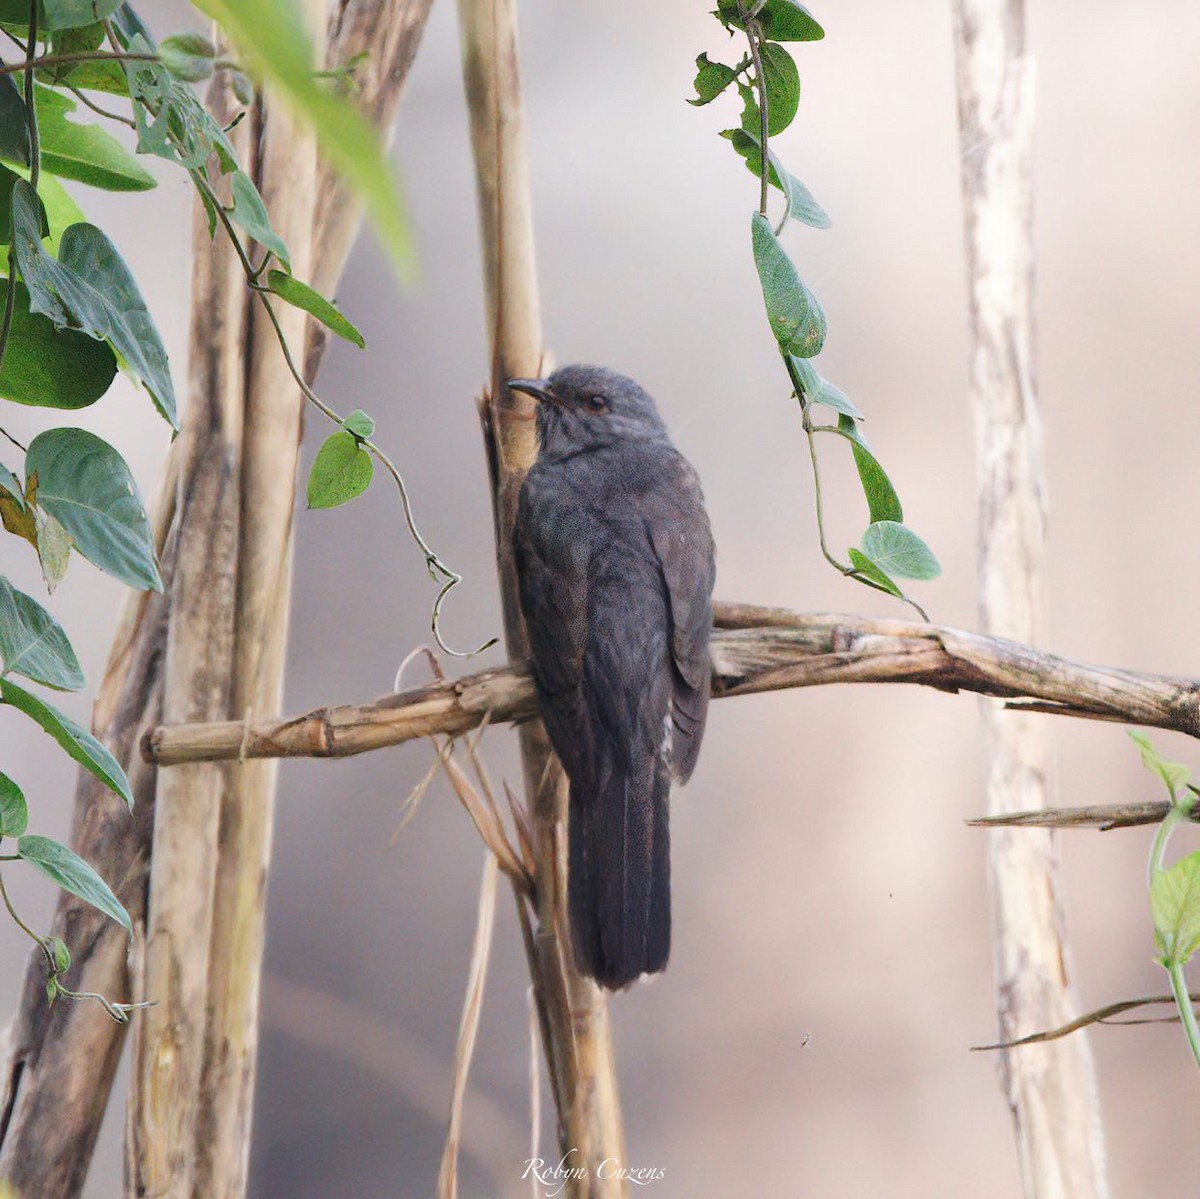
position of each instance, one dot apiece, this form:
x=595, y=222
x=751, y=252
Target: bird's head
x=585, y=407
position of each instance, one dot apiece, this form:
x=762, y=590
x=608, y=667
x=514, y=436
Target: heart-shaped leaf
x=341, y=470
x=52, y=367
x=899, y=552
x=89, y=287
x=86, y=486
x=14, y=815
x=795, y=316
x=33, y=644
x=86, y=153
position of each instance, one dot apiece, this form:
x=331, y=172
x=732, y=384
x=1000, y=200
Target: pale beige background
x=826, y=888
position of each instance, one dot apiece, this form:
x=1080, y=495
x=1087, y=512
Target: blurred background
x=832, y=964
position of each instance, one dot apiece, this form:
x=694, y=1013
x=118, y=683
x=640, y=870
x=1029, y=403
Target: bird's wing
x=552, y=564
x=682, y=539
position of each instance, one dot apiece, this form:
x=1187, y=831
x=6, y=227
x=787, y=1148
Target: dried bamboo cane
x=165, y=1107
x=573, y=1011
x=270, y=458
x=1050, y=1089
x=51, y=1106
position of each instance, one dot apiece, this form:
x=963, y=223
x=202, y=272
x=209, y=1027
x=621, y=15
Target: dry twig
x=1102, y=1015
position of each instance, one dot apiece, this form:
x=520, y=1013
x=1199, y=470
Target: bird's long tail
x=620, y=871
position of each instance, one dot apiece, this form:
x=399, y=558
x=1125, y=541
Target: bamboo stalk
x=51, y=1109
x=286, y=171
x=788, y=649
x=169, y=1040
x=1051, y=1090
x=578, y=1052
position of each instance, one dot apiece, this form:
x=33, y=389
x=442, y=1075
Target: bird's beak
x=538, y=388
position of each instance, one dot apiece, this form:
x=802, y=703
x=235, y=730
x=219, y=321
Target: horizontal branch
x=754, y=649
x=1102, y=816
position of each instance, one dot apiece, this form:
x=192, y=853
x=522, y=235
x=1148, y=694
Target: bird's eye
x=597, y=403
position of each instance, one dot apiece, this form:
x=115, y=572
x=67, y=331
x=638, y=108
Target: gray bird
x=614, y=559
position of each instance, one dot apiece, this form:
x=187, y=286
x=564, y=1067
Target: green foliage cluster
x=767, y=81
x=73, y=316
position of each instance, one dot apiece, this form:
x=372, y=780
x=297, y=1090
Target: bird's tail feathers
x=620, y=871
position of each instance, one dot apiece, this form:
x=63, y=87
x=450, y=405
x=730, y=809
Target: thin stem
x=112, y=116
x=13, y=912
x=754, y=37
x=54, y=60
x=806, y=421
x=6, y=433
x=438, y=570
x=816, y=470
x=1187, y=1013
x=35, y=147
x=1158, y=851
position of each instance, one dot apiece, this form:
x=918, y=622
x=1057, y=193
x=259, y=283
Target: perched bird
x=614, y=559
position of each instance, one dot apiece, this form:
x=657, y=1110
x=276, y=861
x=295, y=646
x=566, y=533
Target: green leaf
x=57, y=948
x=1175, y=906
x=86, y=153
x=8, y=180
x=14, y=815
x=820, y=391
x=66, y=14
x=171, y=121
x=243, y=88
x=341, y=470
x=866, y=567
x=14, y=125
x=882, y=501
x=781, y=79
x=188, y=56
x=712, y=78
x=360, y=424
x=300, y=295
x=781, y=20
x=99, y=75
x=60, y=209
x=53, y=548
x=11, y=484
x=250, y=212
x=1174, y=774
x=795, y=316
x=835, y=398
x=272, y=41
x=802, y=206
x=85, y=485
x=89, y=287
x=899, y=552
x=50, y=367
x=33, y=644
x=73, y=874
x=77, y=741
